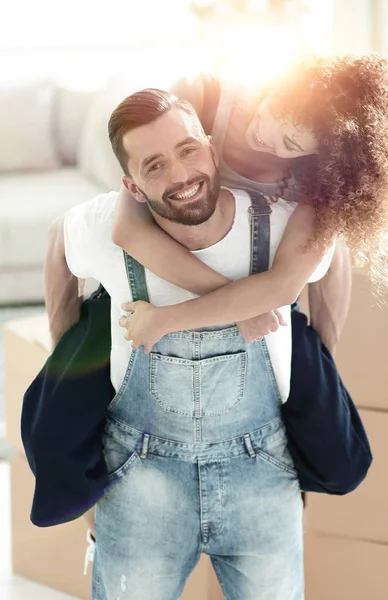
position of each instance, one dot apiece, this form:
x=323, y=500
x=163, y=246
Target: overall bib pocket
x=212, y=386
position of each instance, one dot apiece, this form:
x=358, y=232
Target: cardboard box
x=362, y=353
x=26, y=348
x=364, y=512
x=339, y=569
x=54, y=556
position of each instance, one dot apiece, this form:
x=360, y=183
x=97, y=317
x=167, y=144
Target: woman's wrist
x=167, y=319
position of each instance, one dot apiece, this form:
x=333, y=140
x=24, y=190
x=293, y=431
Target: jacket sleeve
x=326, y=437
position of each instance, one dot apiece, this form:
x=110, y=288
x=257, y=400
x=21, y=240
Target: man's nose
x=178, y=172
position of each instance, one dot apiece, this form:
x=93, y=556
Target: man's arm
x=63, y=291
x=329, y=298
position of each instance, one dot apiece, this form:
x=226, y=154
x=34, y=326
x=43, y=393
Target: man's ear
x=133, y=189
x=213, y=151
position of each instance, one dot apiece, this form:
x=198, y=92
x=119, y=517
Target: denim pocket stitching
x=152, y=386
x=155, y=358
x=241, y=386
x=270, y=459
x=121, y=471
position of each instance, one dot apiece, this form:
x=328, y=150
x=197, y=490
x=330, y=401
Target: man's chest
x=231, y=257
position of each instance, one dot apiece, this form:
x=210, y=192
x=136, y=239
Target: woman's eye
x=287, y=145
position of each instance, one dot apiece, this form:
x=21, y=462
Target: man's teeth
x=188, y=193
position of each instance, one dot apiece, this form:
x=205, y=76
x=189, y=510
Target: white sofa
x=54, y=154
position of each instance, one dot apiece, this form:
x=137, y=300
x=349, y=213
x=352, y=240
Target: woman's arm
x=136, y=231
x=243, y=299
x=329, y=298
x=240, y=300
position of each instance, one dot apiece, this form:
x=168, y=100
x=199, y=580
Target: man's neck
x=208, y=233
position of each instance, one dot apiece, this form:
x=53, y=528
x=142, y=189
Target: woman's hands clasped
x=145, y=325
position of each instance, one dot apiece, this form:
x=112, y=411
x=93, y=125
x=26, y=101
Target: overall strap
x=136, y=278
x=259, y=213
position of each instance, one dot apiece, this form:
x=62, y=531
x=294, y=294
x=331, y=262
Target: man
x=194, y=435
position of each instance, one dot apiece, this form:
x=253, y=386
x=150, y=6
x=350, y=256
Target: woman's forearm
x=240, y=300
x=136, y=232
x=165, y=257
x=329, y=298
x=237, y=301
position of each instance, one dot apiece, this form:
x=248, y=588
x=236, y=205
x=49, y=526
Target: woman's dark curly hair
x=344, y=100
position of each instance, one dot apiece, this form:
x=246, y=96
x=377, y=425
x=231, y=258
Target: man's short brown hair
x=138, y=109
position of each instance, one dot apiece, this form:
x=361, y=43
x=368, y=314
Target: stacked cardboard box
x=53, y=556
x=347, y=537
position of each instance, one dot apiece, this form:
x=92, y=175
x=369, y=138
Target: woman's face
x=278, y=135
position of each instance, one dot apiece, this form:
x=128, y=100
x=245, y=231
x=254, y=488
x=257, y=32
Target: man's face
x=173, y=168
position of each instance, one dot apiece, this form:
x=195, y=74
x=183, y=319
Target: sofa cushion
x=29, y=203
x=71, y=108
x=26, y=132
x=95, y=155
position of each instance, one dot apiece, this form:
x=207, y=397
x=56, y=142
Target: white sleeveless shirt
x=90, y=252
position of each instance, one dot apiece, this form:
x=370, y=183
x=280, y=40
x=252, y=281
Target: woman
x=318, y=138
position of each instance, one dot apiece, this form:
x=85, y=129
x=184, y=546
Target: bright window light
x=254, y=51
x=148, y=42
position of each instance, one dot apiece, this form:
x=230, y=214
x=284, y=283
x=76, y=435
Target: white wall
x=90, y=67
x=360, y=26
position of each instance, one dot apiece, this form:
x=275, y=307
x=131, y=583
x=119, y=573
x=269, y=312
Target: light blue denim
x=198, y=457
x=197, y=452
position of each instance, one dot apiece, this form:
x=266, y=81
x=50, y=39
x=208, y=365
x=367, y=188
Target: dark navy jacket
x=64, y=413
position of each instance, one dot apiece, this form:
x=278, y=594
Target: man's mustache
x=181, y=186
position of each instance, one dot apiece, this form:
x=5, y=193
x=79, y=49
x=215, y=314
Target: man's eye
x=154, y=167
x=189, y=150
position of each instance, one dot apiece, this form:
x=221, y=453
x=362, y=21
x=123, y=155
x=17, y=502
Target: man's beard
x=189, y=213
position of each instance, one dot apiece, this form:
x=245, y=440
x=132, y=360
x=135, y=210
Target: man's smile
x=189, y=193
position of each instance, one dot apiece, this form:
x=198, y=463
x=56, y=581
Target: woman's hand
x=144, y=326
x=254, y=329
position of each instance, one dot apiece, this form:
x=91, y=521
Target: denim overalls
x=199, y=463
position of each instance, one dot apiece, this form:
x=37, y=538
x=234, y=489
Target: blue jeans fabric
x=198, y=460
x=196, y=449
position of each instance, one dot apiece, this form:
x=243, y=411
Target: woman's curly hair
x=344, y=100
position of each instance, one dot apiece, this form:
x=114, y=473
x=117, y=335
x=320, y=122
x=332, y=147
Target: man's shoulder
x=242, y=198
x=98, y=210
x=279, y=208
x=94, y=216
x=91, y=222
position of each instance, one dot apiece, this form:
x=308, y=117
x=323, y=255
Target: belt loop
x=248, y=445
x=144, y=446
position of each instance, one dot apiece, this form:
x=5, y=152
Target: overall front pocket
x=119, y=457
x=198, y=388
x=275, y=451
